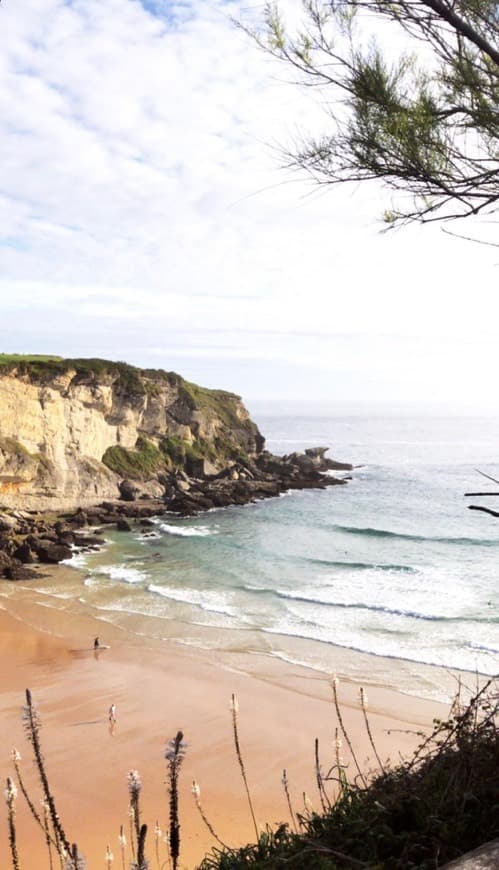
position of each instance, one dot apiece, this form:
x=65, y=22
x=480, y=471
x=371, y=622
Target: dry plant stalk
x=32, y=724
x=46, y=828
x=342, y=777
x=142, y=862
x=325, y=802
x=10, y=799
x=196, y=793
x=44, y=823
x=363, y=704
x=285, y=785
x=235, y=709
x=134, y=789
x=131, y=819
x=109, y=857
x=334, y=686
x=157, y=839
x=122, y=845
x=174, y=754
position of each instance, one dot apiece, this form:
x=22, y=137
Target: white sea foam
x=79, y=560
x=122, y=572
x=188, y=531
x=208, y=600
x=49, y=593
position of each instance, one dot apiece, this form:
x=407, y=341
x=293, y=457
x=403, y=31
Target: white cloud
x=145, y=217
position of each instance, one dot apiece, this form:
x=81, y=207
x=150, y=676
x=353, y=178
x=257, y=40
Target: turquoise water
x=393, y=564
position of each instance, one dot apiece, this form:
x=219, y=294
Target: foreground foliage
x=438, y=805
x=422, y=814
x=425, y=123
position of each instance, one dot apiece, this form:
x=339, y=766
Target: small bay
x=393, y=565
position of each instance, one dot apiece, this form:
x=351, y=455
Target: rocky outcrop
x=72, y=430
x=28, y=538
x=117, y=445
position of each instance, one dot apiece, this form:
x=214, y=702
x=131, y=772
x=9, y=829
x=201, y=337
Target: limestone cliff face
x=70, y=431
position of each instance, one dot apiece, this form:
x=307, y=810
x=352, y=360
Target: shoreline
x=159, y=687
x=230, y=649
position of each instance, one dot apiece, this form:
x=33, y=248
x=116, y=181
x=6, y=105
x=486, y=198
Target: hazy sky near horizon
x=145, y=217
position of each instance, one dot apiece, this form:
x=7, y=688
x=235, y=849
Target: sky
x=146, y=217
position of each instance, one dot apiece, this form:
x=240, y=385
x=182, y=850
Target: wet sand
x=159, y=688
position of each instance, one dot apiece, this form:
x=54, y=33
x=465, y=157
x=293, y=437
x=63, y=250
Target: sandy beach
x=159, y=688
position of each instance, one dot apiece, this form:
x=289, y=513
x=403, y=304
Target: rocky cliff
x=72, y=430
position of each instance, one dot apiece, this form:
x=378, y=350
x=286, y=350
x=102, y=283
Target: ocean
x=393, y=565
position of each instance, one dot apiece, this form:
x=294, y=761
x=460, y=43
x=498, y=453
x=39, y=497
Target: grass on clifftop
x=40, y=366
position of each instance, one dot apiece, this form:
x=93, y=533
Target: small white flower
x=109, y=855
x=16, y=755
x=122, y=841
x=196, y=791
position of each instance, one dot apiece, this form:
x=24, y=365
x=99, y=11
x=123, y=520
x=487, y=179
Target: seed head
x=109, y=856
x=134, y=783
x=234, y=705
x=10, y=792
x=196, y=791
x=176, y=748
x=16, y=755
x=79, y=864
x=363, y=699
x=122, y=838
x=335, y=682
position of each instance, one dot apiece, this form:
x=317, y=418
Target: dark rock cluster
x=28, y=537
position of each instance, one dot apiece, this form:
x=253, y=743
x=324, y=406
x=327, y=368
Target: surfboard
x=87, y=649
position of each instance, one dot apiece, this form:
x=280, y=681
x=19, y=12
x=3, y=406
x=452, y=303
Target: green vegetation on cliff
x=217, y=402
x=178, y=452
x=145, y=460
x=41, y=368
x=16, y=449
x=172, y=453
